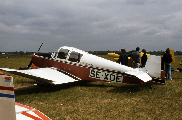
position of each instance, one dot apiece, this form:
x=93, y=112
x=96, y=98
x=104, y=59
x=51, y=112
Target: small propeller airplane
x=69, y=64
x=11, y=110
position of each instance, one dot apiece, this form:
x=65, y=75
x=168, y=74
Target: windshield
x=60, y=54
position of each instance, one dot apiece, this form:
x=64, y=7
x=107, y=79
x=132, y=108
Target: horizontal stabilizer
x=139, y=74
x=47, y=75
x=151, y=70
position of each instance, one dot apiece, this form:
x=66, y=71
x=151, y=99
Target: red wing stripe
x=30, y=116
x=30, y=108
x=41, y=115
x=6, y=88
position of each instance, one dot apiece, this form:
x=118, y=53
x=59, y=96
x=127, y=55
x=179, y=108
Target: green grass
x=99, y=100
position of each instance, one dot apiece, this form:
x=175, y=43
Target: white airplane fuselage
x=84, y=66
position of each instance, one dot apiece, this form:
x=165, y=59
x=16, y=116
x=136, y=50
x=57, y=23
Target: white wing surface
x=48, y=75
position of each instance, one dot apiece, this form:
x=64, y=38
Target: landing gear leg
x=29, y=64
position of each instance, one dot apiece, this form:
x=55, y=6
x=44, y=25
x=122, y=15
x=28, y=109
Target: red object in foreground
x=24, y=112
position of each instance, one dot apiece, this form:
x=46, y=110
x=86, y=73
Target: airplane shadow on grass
x=48, y=88
x=52, y=88
x=128, y=88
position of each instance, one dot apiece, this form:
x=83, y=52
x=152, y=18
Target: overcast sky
x=90, y=24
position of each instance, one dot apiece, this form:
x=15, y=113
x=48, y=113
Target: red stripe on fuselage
x=38, y=61
x=78, y=71
x=81, y=72
x=6, y=88
x=131, y=80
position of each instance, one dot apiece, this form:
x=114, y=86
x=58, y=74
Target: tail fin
x=7, y=98
x=153, y=66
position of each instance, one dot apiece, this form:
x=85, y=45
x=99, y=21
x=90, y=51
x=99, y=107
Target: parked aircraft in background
x=69, y=64
x=116, y=57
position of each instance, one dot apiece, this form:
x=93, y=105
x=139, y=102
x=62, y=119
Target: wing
x=24, y=112
x=47, y=75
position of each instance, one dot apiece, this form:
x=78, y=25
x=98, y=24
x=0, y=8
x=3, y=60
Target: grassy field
x=99, y=100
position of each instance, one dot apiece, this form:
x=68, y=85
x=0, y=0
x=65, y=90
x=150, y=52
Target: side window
x=62, y=54
x=75, y=56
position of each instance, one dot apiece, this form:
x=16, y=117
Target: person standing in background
x=135, y=58
x=143, y=58
x=167, y=58
x=123, y=58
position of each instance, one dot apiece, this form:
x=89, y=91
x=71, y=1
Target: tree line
x=92, y=52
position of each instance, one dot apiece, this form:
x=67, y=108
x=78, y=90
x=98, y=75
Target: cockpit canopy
x=68, y=53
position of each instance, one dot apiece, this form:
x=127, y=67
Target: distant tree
x=21, y=53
